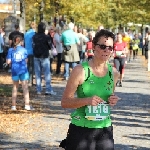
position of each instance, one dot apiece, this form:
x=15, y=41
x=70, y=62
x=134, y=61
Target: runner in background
x=120, y=51
x=89, y=48
x=94, y=81
x=130, y=48
x=126, y=38
x=136, y=43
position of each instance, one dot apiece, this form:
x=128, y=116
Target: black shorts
x=130, y=48
x=83, y=138
x=119, y=63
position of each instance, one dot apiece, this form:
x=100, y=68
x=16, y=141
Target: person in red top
x=120, y=51
x=89, y=49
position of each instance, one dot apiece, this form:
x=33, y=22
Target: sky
x=4, y=1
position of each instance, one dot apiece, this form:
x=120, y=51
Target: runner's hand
x=113, y=99
x=95, y=100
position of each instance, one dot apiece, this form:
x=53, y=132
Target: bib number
x=118, y=53
x=135, y=46
x=97, y=113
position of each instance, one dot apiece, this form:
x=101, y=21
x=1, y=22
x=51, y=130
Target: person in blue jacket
x=28, y=45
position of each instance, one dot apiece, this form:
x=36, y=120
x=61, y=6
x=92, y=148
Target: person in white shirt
x=59, y=49
x=1, y=51
x=83, y=40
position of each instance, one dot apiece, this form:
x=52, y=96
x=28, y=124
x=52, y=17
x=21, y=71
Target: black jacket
x=41, y=45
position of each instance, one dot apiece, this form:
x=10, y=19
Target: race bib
x=97, y=113
x=118, y=53
x=90, y=51
x=135, y=46
x=18, y=57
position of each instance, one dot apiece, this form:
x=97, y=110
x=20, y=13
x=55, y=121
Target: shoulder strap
x=85, y=65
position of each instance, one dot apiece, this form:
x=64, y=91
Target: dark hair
x=16, y=40
x=16, y=26
x=103, y=33
x=41, y=27
x=119, y=33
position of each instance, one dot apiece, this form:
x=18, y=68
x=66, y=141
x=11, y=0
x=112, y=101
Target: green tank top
x=94, y=116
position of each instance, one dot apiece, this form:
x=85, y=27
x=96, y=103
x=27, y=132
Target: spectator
x=100, y=28
x=85, y=34
x=146, y=47
x=130, y=33
x=1, y=51
x=12, y=35
x=141, y=41
x=17, y=56
x=28, y=45
x=148, y=40
x=89, y=48
x=2, y=32
x=41, y=45
x=51, y=31
x=59, y=49
x=51, y=34
x=75, y=29
x=83, y=40
x=70, y=55
x=6, y=46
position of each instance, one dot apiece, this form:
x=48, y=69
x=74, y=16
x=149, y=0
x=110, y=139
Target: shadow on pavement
x=6, y=144
x=129, y=147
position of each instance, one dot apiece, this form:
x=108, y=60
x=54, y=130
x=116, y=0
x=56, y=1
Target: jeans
x=1, y=60
x=51, y=61
x=67, y=64
x=82, y=56
x=30, y=68
x=39, y=65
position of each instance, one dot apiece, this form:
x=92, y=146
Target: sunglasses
x=103, y=47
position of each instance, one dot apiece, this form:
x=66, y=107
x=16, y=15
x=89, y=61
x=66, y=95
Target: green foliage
x=91, y=13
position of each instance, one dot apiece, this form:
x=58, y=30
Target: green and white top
x=94, y=116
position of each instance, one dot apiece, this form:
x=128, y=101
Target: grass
x=5, y=91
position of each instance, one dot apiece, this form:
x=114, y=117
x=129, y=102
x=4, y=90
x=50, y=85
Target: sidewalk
x=48, y=125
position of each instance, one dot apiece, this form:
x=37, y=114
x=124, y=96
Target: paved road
x=44, y=129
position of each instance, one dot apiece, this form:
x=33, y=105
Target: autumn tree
x=91, y=13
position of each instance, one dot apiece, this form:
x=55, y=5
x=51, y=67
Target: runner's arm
x=68, y=100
